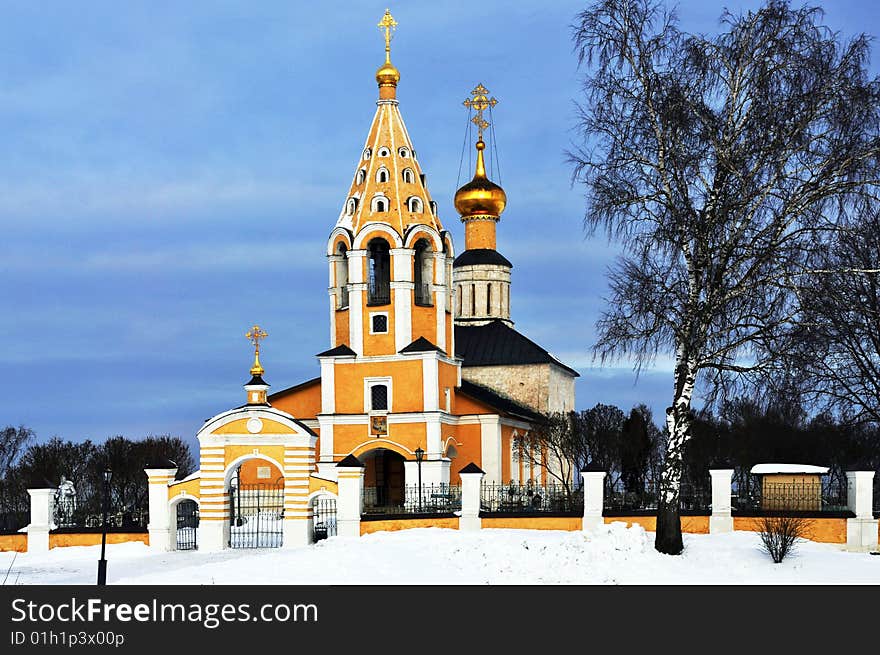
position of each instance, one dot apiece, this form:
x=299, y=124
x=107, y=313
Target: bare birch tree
x=720, y=163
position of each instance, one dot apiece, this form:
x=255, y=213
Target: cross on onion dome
x=479, y=103
x=388, y=25
x=255, y=335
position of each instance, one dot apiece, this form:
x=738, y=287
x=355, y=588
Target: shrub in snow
x=780, y=534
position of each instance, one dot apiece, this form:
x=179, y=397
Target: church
x=425, y=371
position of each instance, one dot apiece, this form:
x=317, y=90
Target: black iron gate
x=257, y=514
x=187, y=524
x=324, y=519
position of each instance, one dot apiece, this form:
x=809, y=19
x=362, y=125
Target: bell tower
x=481, y=274
x=390, y=260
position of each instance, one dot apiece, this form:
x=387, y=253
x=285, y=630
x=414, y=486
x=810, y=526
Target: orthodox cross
x=479, y=103
x=388, y=24
x=255, y=335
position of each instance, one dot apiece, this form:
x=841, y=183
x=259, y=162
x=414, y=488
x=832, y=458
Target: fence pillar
x=159, y=474
x=471, y=483
x=721, y=519
x=861, y=531
x=350, y=501
x=42, y=511
x=594, y=497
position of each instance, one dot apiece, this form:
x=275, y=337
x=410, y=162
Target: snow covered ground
x=614, y=555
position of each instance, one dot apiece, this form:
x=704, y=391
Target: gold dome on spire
x=387, y=74
x=481, y=196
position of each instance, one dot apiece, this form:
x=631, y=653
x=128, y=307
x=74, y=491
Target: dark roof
x=161, y=463
x=497, y=344
x=471, y=468
x=593, y=467
x=339, y=351
x=350, y=461
x=481, y=256
x=496, y=401
x=39, y=482
x=256, y=379
x=296, y=387
x=421, y=345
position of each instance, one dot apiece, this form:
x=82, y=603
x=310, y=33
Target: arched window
x=380, y=204
x=414, y=205
x=351, y=206
x=378, y=273
x=342, y=276
x=361, y=176
x=434, y=207
x=384, y=152
x=423, y=273
x=488, y=300
x=382, y=175
x=403, y=151
x=408, y=176
x=368, y=153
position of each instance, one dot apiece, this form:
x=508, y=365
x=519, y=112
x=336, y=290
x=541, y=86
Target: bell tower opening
x=423, y=272
x=379, y=272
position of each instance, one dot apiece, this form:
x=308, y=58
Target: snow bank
x=614, y=554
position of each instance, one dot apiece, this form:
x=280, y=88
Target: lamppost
x=102, y=563
x=420, y=455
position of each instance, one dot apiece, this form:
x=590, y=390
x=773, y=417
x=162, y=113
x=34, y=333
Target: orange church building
x=424, y=373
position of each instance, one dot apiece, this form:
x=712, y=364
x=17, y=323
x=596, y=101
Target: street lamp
x=102, y=563
x=420, y=455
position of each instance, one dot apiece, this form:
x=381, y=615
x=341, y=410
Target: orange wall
x=506, y=438
x=406, y=385
x=424, y=323
x=828, y=531
x=13, y=542
x=691, y=524
x=249, y=472
x=58, y=540
x=304, y=402
x=469, y=450
x=448, y=375
x=479, y=234
x=535, y=523
x=343, y=317
x=405, y=524
x=378, y=344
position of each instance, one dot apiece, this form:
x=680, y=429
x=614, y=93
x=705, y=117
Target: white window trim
x=414, y=205
x=361, y=176
x=375, y=201
x=409, y=176
x=383, y=169
x=369, y=383
x=387, y=322
x=403, y=151
x=383, y=152
x=367, y=153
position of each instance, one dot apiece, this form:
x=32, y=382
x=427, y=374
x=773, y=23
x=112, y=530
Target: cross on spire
x=479, y=103
x=389, y=25
x=255, y=335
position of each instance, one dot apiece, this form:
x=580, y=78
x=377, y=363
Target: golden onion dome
x=387, y=74
x=480, y=196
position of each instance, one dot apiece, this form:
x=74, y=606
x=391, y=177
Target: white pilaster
x=328, y=386
x=325, y=456
x=213, y=535
x=471, y=483
x=434, y=436
x=297, y=533
x=350, y=501
x=403, y=301
x=356, y=318
x=861, y=531
x=431, y=382
x=434, y=472
x=490, y=447
x=594, y=499
x=721, y=519
x=160, y=528
x=42, y=511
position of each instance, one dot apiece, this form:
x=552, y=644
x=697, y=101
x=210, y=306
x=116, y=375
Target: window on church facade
x=342, y=276
x=408, y=176
x=378, y=397
x=380, y=204
x=380, y=323
x=423, y=273
x=382, y=175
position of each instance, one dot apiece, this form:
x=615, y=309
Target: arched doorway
x=256, y=499
x=187, y=517
x=383, y=479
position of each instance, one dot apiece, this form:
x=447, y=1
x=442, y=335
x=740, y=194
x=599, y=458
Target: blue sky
x=170, y=172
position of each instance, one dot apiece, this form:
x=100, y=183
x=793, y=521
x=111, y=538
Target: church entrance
x=257, y=512
x=383, y=479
